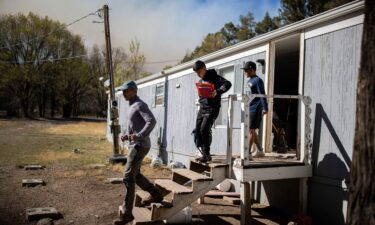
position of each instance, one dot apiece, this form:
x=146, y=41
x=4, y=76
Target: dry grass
x=25, y=142
x=52, y=143
x=79, y=128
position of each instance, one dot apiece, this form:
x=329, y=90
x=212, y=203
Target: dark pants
x=204, y=123
x=255, y=119
x=132, y=176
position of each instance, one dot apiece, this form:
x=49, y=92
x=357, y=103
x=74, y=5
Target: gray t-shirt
x=141, y=122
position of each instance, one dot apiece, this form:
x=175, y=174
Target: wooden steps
x=172, y=186
x=191, y=175
x=139, y=196
x=202, y=177
x=212, y=164
x=142, y=216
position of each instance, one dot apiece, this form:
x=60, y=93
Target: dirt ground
x=78, y=191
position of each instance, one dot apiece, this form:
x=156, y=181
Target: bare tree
x=361, y=209
x=136, y=60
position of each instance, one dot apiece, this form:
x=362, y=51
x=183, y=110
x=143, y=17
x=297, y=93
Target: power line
x=99, y=13
x=79, y=56
x=62, y=26
x=48, y=60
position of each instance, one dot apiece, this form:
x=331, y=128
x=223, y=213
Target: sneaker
x=124, y=219
x=253, y=150
x=152, y=198
x=258, y=154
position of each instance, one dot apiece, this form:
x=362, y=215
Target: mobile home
x=310, y=71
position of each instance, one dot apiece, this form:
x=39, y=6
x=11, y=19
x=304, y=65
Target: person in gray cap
x=258, y=106
x=141, y=122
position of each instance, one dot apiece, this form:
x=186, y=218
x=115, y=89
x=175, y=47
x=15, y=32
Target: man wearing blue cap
x=141, y=122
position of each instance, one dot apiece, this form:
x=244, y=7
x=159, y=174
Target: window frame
x=156, y=95
x=220, y=68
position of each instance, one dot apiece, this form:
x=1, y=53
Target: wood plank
x=232, y=200
x=142, y=216
x=173, y=186
x=34, y=167
x=272, y=164
x=32, y=182
x=142, y=194
x=212, y=164
x=191, y=175
x=40, y=213
x=272, y=173
x=245, y=203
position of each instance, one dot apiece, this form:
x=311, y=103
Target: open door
x=282, y=127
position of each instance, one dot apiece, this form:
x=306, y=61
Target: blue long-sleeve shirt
x=256, y=86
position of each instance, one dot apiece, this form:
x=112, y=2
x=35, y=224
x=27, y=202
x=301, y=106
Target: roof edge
x=331, y=14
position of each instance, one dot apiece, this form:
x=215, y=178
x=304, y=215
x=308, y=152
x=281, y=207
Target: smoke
x=166, y=29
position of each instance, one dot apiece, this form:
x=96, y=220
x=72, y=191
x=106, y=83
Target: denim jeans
x=132, y=176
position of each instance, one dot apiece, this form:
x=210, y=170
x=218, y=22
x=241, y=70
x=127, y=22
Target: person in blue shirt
x=258, y=106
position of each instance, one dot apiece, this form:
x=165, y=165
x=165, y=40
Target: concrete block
x=115, y=180
x=96, y=166
x=34, y=167
x=32, y=182
x=40, y=213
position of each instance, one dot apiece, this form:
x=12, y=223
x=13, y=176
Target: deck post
x=245, y=152
x=245, y=203
x=303, y=195
x=231, y=98
x=306, y=142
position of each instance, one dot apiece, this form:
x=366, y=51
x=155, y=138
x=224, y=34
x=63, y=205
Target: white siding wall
x=331, y=67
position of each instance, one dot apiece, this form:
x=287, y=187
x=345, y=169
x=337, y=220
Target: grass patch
x=48, y=143
x=25, y=142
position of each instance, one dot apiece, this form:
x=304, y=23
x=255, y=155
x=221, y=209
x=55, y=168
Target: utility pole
x=115, y=127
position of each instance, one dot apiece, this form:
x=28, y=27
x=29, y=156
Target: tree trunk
x=361, y=206
x=25, y=108
x=67, y=110
x=53, y=104
x=40, y=109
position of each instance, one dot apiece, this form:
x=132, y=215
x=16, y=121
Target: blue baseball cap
x=128, y=85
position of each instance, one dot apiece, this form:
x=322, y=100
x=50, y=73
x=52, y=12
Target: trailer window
x=159, y=95
x=229, y=74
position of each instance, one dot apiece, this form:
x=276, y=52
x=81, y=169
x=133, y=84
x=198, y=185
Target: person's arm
x=149, y=118
x=224, y=85
x=263, y=101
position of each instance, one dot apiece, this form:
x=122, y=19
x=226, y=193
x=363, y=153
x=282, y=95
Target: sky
x=166, y=29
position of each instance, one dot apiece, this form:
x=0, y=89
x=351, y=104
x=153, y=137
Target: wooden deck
x=273, y=166
x=270, y=160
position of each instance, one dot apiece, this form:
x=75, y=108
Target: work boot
x=124, y=219
x=206, y=157
x=152, y=198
